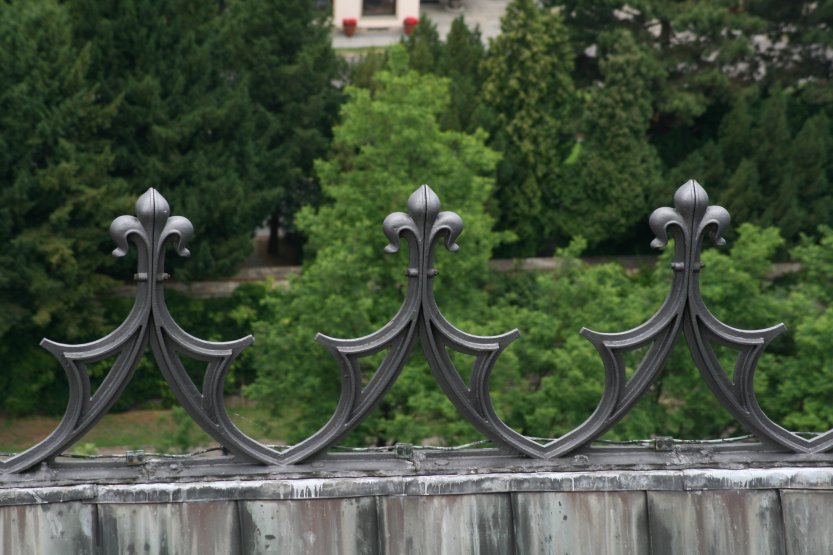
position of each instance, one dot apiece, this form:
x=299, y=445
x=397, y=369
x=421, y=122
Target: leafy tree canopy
x=388, y=143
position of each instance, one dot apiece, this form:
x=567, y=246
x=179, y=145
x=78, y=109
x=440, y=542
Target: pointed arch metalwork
x=419, y=321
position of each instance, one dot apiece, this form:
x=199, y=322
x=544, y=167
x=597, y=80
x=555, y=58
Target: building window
x=378, y=7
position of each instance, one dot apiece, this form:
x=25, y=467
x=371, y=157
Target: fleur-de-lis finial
x=149, y=321
x=693, y=216
x=424, y=222
x=684, y=311
x=150, y=230
x=418, y=320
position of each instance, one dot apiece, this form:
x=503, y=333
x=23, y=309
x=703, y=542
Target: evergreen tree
x=769, y=136
x=207, y=101
x=461, y=61
x=282, y=50
x=812, y=162
x=223, y=108
x=424, y=46
x=530, y=90
x=799, y=35
x=766, y=61
x=776, y=156
x=735, y=131
x=185, y=124
x=612, y=183
x=700, y=46
x=708, y=165
x=362, y=69
x=744, y=198
x=56, y=198
x=766, y=169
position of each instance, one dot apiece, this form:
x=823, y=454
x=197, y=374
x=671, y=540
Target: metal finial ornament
x=149, y=321
x=688, y=222
x=418, y=320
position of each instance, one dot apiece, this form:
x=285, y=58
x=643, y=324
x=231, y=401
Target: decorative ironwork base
x=418, y=321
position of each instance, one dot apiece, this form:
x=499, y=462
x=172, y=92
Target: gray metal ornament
x=149, y=321
x=418, y=321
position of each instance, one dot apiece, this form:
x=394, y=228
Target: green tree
x=563, y=372
x=461, y=61
x=797, y=382
x=222, y=107
x=362, y=69
x=529, y=88
x=207, y=101
x=613, y=182
x=281, y=48
x=768, y=166
x=735, y=130
x=737, y=80
x=771, y=135
x=688, y=40
x=801, y=35
x=812, y=162
x=56, y=197
x=389, y=142
x=743, y=195
x=424, y=46
x=184, y=125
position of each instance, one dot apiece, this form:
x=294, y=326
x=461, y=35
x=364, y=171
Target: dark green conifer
x=57, y=198
x=608, y=188
x=529, y=89
x=461, y=62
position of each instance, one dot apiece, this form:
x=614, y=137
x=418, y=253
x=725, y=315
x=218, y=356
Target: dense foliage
x=600, y=109
x=529, y=89
x=389, y=141
x=561, y=135
x=57, y=192
x=550, y=379
x=223, y=106
x=740, y=96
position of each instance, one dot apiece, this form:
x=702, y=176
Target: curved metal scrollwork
x=419, y=320
x=148, y=321
x=684, y=311
x=702, y=329
x=688, y=223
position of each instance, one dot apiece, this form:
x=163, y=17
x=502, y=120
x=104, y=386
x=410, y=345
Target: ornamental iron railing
x=418, y=321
